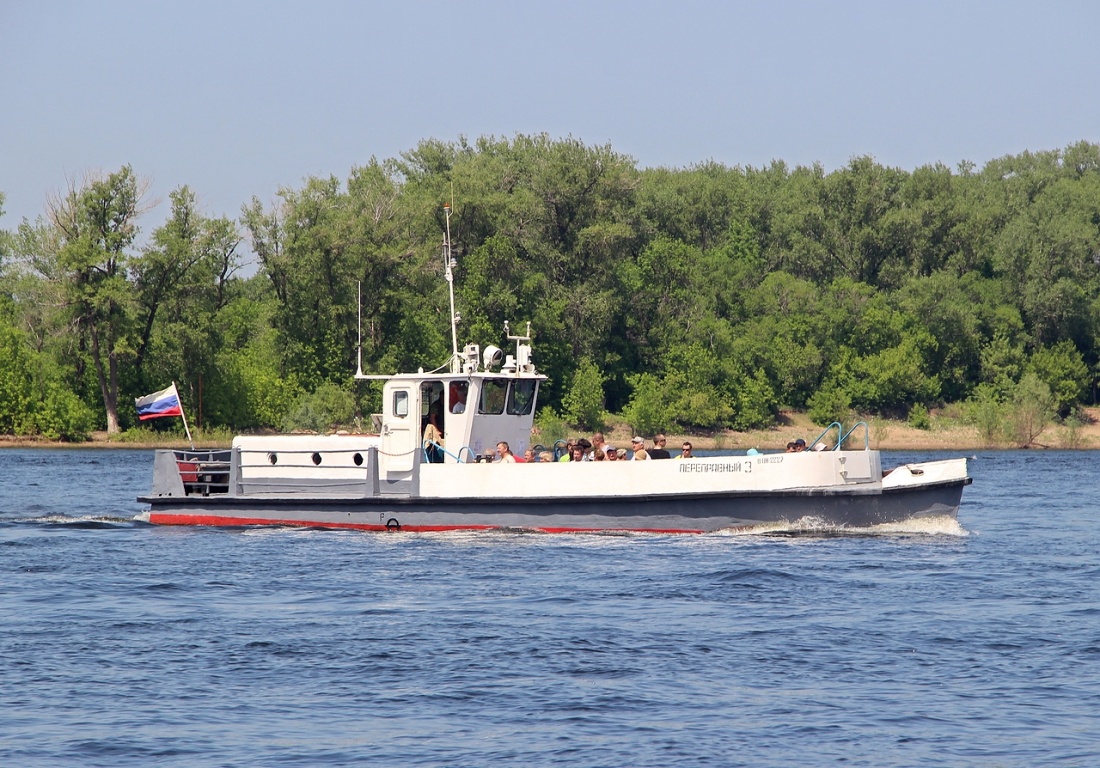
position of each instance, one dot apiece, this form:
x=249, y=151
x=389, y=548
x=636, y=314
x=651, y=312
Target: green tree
x=326, y=408
x=1063, y=369
x=182, y=280
x=986, y=411
x=1032, y=408
x=96, y=226
x=583, y=404
x=830, y=403
x=647, y=411
x=61, y=415
x=17, y=393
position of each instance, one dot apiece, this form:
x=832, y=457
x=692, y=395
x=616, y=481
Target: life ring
x=393, y=525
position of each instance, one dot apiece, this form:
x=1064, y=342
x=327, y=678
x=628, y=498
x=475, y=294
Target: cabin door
x=400, y=428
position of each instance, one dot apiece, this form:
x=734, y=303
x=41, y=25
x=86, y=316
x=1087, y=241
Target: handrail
x=457, y=458
x=466, y=448
x=866, y=435
x=201, y=454
x=559, y=454
x=828, y=429
x=269, y=449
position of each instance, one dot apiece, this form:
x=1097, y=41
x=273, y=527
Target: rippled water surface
x=969, y=644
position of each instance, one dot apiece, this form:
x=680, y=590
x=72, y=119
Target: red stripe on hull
x=618, y=530
x=164, y=518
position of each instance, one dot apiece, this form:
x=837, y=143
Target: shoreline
x=882, y=434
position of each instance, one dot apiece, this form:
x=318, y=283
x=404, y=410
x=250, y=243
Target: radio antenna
x=449, y=264
x=359, y=343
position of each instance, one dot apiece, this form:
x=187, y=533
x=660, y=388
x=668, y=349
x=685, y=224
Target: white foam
x=61, y=519
x=928, y=526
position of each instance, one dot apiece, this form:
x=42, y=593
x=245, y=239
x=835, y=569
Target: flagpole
x=184, y=415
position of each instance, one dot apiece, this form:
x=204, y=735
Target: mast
x=448, y=265
x=359, y=343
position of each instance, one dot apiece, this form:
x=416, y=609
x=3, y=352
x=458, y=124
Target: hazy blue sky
x=237, y=99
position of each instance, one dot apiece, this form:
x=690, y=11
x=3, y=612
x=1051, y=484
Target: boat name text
x=732, y=466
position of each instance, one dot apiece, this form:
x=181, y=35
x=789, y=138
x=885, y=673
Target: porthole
x=272, y=458
x=358, y=459
x=316, y=458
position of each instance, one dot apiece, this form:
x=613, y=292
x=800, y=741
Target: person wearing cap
x=610, y=453
x=799, y=445
x=638, y=446
x=658, y=451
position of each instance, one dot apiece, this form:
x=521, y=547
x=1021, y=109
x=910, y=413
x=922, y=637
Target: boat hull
x=849, y=507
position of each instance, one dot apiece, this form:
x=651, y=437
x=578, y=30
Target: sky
x=239, y=98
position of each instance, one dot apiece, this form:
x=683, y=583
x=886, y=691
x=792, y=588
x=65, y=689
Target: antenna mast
x=448, y=265
x=359, y=343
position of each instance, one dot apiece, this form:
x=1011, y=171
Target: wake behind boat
x=393, y=480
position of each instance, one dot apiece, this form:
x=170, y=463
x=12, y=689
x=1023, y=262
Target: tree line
x=701, y=298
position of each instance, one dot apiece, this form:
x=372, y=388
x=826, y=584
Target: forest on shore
x=700, y=299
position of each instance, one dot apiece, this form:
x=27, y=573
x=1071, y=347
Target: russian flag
x=163, y=403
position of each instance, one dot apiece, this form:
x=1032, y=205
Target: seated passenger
x=546, y=458
x=610, y=453
x=685, y=451
x=433, y=440
x=529, y=456
x=567, y=453
x=456, y=394
x=638, y=446
x=658, y=451
x=586, y=448
x=505, y=453
x=598, y=445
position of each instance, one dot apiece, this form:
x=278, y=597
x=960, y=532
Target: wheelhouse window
x=431, y=398
x=521, y=396
x=493, y=395
x=401, y=404
x=456, y=396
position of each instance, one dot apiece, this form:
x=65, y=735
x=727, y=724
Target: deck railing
x=204, y=472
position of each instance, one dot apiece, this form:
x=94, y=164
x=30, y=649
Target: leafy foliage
x=326, y=408
x=583, y=403
x=1033, y=407
x=17, y=396
x=701, y=298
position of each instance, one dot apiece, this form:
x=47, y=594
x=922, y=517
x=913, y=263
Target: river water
x=969, y=644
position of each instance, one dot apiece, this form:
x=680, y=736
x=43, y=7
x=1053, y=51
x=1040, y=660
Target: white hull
x=316, y=482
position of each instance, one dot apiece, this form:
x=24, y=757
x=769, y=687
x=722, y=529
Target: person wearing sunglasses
x=658, y=451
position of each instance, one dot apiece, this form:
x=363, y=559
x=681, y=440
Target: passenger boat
x=392, y=481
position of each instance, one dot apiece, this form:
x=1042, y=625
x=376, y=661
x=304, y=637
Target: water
x=125, y=644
